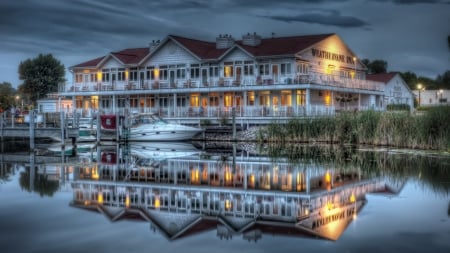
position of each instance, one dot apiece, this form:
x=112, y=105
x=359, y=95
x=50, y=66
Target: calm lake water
x=159, y=197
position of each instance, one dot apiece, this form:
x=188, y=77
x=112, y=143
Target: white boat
x=151, y=127
x=161, y=150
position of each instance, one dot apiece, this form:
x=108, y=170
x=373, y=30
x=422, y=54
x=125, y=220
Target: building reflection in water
x=238, y=196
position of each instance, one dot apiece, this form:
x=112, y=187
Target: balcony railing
x=216, y=112
x=245, y=81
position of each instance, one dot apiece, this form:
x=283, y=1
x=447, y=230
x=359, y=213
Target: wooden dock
x=48, y=132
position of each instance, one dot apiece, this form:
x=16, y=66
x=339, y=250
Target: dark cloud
x=80, y=30
x=332, y=18
x=416, y=1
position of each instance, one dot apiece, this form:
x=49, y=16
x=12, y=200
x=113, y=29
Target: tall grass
x=431, y=130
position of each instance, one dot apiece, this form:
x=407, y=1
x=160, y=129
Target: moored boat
x=151, y=127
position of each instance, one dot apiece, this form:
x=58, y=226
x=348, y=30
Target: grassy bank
x=429, y=130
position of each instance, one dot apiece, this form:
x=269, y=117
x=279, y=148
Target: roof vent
x=154, y=44
x=224, y=41
x=251, y=39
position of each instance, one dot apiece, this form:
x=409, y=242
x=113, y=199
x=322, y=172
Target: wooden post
x=1, y=128
x=62, y=128
x=233, y=117
x=32, y=131
x=99, y=128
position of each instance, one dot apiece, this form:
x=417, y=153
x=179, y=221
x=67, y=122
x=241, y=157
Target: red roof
x=202, y=49
x=381, y=77
x=207, y=50
x=91, y=63
x=283, y=45
x=126, y=56
x=131, y=55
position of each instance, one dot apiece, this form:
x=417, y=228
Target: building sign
x=332, y=56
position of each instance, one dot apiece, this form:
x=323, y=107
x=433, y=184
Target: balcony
x=270, y=81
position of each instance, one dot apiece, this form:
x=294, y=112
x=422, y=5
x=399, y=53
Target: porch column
x=114, y=104
x=74, y=105
x=359, y=101
x=175, y=113
x=308, y=101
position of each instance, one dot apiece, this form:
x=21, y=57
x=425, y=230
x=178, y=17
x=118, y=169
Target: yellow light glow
x=126, y=74
x=228, y=176
x=99, y=76
x=156, y=73
x=157, y=202
x=195, y=176
x=352, y=198
x=328, y=177
x=251, y=180
x=95, y=174
x=330, y=205
x=100, y=198
x=127, y=201
x=86, y=71
x=227, y=71
x=227, y=204
x=327, y=99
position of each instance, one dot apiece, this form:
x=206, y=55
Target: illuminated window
x=301, y=97
x=286, y=98
x=194, y=101
x=228, y=69
x=228, y=100
x=251, y=98
x=264, y=99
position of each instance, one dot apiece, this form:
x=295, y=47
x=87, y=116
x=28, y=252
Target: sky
x=411, y=35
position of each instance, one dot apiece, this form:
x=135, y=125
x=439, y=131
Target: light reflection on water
x=131, y=198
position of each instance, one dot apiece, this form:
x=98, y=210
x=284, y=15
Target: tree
x=375, y=66
x=7, y=95
x=443, y=81
x=41, y=76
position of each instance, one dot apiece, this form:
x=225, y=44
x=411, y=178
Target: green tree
x=443, y=81
x=41, y=76
x=7, y=94
x=375, y=66
x=410, y=78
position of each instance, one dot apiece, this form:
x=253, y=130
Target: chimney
x=251, y=39
x=153, y=44
x=224, y=41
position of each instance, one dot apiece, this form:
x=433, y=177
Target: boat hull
x=166, y=134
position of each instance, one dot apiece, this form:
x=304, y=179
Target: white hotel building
x=261, y=78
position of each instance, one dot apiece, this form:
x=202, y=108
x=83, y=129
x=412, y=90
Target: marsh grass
x=430, y=130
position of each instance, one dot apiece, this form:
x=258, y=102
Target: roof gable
x=381, y=77
x=89, y=64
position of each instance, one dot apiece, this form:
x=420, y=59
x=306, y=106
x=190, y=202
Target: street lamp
x=440, y=92
x=420, y=88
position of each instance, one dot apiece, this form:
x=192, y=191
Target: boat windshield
x=149, y=119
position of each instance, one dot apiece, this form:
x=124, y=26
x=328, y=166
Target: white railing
x=291, y=79
x=215, y=112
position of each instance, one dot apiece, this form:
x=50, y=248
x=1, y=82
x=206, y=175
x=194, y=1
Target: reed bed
x=429, y=130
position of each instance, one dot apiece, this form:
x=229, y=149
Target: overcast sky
x=411, y=35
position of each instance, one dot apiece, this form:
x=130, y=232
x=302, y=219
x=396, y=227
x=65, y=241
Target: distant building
x=432, y=97
x=54, y=104
x=396, y=90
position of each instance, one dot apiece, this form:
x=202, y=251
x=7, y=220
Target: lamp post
x=440, y=92
x=420, y=88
